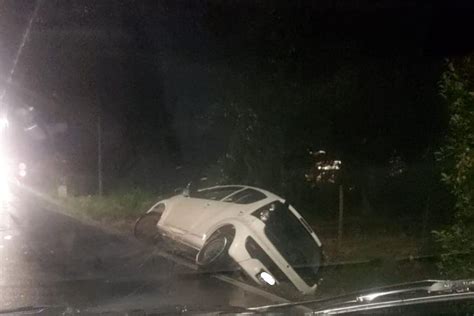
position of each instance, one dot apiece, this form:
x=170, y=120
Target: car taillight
x=265, y=212
x=266, y=278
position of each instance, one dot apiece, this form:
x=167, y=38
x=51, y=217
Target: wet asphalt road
x=47, y=258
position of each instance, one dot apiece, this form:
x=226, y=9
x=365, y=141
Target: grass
x=372, y=248
x=119, y=210
x=111, y=207
x=343, y=279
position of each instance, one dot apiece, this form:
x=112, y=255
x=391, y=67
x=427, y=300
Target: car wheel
x=145, y=227
x=214, y=255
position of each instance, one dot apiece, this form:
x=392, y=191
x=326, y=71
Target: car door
x=218, y=211
x=180, y=218
x=206, y=212
x=214, y=212
x=188, y=211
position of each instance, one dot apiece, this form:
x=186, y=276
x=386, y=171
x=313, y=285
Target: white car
x=258, y=230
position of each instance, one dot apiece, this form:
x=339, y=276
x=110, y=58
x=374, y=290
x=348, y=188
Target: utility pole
x=341, y=216
x=99, y=152
x=327, y=170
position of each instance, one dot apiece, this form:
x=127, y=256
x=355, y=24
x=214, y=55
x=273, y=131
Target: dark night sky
x=153, y=66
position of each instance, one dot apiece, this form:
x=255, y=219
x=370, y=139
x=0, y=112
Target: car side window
x=215, y=194
x=246, y=196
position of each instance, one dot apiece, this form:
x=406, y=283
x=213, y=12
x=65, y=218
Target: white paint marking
x=252, y=289
x=176, y=260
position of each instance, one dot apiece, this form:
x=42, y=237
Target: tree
x=296, y=92
x=457, y=159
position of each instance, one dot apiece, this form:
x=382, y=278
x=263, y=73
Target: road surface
x=48, y=258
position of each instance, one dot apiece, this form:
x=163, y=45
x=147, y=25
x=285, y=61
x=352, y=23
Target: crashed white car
x=258, y=230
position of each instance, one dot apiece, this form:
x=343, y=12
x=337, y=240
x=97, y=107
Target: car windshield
x=246, y=196
x=215, y=193
x=147, y=149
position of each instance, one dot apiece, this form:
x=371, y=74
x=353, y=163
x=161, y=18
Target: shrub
x=457, y=160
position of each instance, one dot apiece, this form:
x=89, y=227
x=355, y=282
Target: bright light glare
x=5, y=195
x=4, y=122
x=369, y=297
x=22, y=169
x=268, y=278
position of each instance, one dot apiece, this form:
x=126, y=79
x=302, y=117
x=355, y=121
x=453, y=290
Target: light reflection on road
x=16, y=275
x=48, y=258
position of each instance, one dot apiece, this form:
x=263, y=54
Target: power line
x=25, y=37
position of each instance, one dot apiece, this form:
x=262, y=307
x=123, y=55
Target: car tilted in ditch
x=253, y=228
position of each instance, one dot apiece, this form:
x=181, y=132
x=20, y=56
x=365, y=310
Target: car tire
x=145, y=227
x=214, y=255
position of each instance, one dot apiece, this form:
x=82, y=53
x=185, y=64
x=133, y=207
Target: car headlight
x=160, y=208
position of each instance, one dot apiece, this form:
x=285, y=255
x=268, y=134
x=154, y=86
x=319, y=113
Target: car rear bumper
x=254, y=266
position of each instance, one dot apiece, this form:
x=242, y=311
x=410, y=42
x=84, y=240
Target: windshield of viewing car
x=139, y=140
